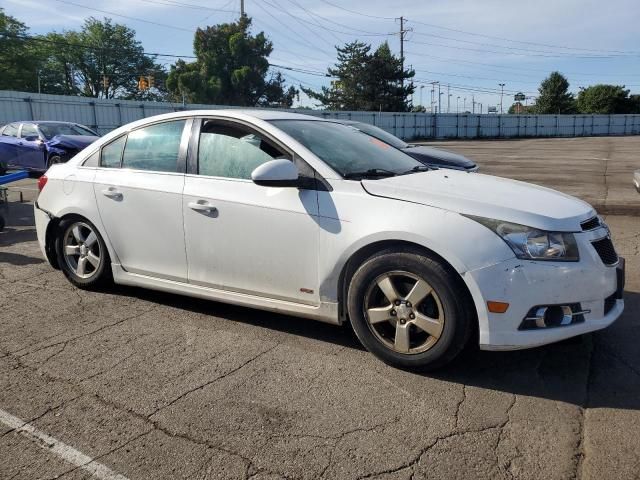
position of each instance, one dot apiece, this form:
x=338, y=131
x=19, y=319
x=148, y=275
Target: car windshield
x=50, y=130
x=380, y=134
x=348, y=151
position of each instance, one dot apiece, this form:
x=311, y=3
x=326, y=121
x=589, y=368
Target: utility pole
x=473, y=104
x=403, y=32
x=448, y=99
x=421, y=88
x=501, y=94
x=464, y=104
x=457, y=104
x=242, y=14
x=439, y=99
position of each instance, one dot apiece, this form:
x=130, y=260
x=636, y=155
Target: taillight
x=42, y=181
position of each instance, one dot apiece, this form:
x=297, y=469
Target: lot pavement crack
x=87, y=334
x=580, y=447
x=459, y=405
x=214, y=380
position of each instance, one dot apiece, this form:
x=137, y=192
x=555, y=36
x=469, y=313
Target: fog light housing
x=551, y=316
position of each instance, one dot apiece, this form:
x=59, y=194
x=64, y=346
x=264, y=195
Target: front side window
x=112, y=153
x=29, y=130
x=10, y=130
x=232, y=151
x=155, y=148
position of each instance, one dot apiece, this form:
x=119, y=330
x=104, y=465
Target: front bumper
x=525, y=284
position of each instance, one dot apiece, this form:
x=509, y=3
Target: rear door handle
x=202, y=206
x=112, y=193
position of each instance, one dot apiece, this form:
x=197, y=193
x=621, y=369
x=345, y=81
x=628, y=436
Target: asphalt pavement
x=134, y=384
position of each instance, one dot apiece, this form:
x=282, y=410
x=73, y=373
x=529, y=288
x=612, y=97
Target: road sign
x=519, y=97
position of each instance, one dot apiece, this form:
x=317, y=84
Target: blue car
x=38, y=145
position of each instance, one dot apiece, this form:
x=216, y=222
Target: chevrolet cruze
x=290, y=213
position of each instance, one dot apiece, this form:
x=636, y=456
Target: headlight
x=532, y=244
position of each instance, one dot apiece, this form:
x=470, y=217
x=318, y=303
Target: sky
x=468, y=46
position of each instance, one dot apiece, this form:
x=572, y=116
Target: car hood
x=486, y=196
x=430, y=155
x=72, y=141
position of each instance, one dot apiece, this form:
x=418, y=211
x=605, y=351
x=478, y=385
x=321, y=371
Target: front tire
x=409, y=310
x=53, y=160
x=82, y=254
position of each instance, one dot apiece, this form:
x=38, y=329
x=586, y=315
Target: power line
x=512, y=40
x=357, y=13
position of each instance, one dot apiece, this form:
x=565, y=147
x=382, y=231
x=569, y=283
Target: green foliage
x=19, y=64
x=366, y=81
x=78, y=62
x=554, y=96
x=231, y=69
x=606, y=99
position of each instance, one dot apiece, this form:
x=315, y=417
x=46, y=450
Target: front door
x=139, y=193
x=30, y=151
x=241, y=236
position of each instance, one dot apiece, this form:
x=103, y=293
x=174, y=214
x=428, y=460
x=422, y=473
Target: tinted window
x=112, y=153
x=10, y=130
x=380, y=134
x=232, y=151
x=155, y=147
x=29, y=130
x=50, y=130
x=346, y=149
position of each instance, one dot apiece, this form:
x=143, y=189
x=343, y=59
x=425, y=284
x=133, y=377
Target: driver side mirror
x=276, y=173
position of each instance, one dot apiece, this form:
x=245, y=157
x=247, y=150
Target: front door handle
x=112, y=193
x=202, y=206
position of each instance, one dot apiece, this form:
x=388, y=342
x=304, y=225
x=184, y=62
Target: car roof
x=260, y=113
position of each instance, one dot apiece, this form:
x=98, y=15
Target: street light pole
x=421, y=88
x=501, y=94
x=439, y=99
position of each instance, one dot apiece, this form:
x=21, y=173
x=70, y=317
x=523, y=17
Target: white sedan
x=294, y=214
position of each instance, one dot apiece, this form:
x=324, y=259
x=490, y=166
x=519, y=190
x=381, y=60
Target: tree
x=231, y=68
x=366, y=81
x=19, y=65
x=554, y=95
x=605, y=99
x=103, y=59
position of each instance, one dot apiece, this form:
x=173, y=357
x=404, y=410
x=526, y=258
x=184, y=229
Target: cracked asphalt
x=157, y=386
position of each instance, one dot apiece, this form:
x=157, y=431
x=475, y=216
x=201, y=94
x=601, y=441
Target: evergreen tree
x=554, y=95
x=366, y=81
x=231, y=69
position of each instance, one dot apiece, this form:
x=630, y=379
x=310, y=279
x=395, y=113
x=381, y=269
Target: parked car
x=295, y=214
x=38, y=145
x=433, y=157
x=636, y=180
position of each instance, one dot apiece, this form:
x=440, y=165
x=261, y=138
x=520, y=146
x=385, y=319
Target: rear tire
x=82, y=254
x=53, y=160
x=410, y=310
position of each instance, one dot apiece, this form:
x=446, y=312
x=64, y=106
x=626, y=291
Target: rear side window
x=112, y=153
x=154, y=148
x=10, y=130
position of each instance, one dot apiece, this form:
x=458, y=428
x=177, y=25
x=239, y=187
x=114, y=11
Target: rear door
x=9, y=143
x=244, y=237
x=30, y=152
x=138, y=188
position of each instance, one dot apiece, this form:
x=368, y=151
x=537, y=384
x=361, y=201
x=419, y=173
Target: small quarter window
x=92, y=161
x=112, y=153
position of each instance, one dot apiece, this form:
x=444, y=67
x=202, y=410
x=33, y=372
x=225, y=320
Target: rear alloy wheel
x=82, y=254
x=409, y=310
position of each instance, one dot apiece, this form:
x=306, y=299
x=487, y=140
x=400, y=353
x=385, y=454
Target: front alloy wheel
x=409, y=309
x=404, y=312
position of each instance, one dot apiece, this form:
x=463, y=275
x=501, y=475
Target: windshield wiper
x=416, y=169
x=370, y=173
